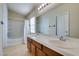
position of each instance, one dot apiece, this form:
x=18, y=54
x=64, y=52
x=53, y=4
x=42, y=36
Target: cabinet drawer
x=50, y=52
x=38, y=45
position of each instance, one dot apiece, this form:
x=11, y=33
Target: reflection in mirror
x=57, y=25
x=62, y=20
x=32, y=25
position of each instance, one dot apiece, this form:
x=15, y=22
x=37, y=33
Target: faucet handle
x=61, y=37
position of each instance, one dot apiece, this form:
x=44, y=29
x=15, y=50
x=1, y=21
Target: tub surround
x=67, y=48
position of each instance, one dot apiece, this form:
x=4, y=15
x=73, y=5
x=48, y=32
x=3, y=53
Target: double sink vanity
x=44, y=45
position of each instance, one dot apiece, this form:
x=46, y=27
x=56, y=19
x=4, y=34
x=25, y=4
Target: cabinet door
x=29, y=44
x=32, y=49
x=50, y=52
x=40, y=52
x=38, y=45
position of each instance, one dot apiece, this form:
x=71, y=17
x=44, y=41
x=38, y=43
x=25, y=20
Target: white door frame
x=26, y=30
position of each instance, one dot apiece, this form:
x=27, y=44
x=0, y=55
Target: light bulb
x=38, y=8
x=42, y=5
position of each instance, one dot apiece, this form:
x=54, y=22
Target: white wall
x=16, y=24
x=15, y=28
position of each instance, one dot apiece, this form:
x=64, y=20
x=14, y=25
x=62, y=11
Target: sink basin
x=35, y=35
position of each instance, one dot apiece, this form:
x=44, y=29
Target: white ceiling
x=22, y=8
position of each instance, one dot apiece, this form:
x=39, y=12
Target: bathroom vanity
x=43, y=45
x=38, y=49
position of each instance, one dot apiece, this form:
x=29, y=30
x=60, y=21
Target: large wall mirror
x=58, y=25
x=61, y=21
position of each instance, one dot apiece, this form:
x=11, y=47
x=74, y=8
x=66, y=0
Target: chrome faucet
x=62, y=38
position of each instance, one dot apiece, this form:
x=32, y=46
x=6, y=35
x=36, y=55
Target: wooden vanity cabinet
x=29, y=44
x=38, y=45
x=37, y=49
x=50, y=52
x=33, y=48
x=39, y=52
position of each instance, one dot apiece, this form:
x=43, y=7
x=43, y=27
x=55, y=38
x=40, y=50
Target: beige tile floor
x=16, y=50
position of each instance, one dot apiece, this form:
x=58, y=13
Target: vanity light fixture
x=42, y=6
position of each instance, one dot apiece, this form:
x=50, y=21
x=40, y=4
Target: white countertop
x=67, y=48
